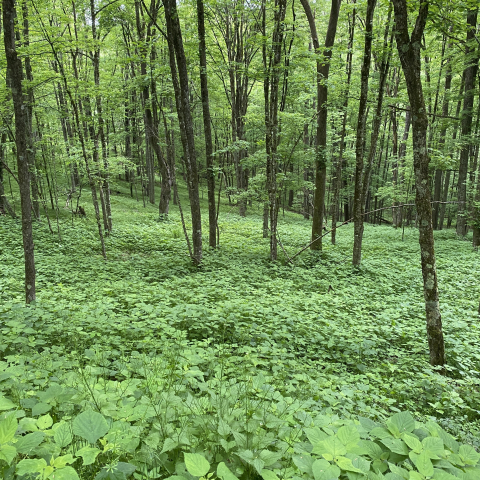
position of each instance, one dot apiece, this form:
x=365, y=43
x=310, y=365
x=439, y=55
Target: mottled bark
x=14, y=81
x=409, y=53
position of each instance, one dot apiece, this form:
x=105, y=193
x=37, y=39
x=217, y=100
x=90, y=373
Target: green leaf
x=330, y=448
x=8, y=427
x=304, y=463
x=6, y=404
x=439, y=474
x=424, y=465
x=258, y=464
x=66, y=473
x=270, y=457
x=400, y=423
x=268, y=475
x=196, y=464
x=90, y=425
x=168, y=445
x=373, y=450
x=88, y=454
x=44, y=422
x=63, y=435
x=223, y=428
x=126, y=468
x=401, y=472
x=27, y=466
x=40, y=408
x=433, y=446
x=224, y=472
x=468, y=455
x=413, y=442
x=8, y=453
x=29, y=442
x=346, y=464
x=348, y=435
x=395, y=445
x=63, y=460
x=315, y=435
x=323, y=470
x=413, y=475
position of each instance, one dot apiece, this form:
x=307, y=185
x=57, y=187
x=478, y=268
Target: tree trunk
x=14, y=81
x=470, y=74
x=323, y=68
x=212, y=216
x=409, y=53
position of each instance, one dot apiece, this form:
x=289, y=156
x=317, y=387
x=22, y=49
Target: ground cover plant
x=145, y=366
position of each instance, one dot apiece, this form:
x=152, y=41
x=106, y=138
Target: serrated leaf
x=88, y=454
x=63, y=435
x=258, y=464
x=315, y=435
x=8, y=453
x=398, y=471
x=224, y=472
x=433, y=446
x=30, y=465
x=373, y=450
x=62, y=461
x=8, y=427
x=402, y=422
x=66, y=473
x=413, y=475
x=413, y=442
x=439, y=474
x=346, y=464
x=424, y=465
x=380, y=432
x=468, y=455
x=331, y=447
x=348, y=435
x=169, y=445
x=268, y=475
x=323, y=470
x=395, y=445
x=29, y=442
x=304, y=463
x=223, y=428
x=196, y=464
x=90, y=425
x=44, y=422
x=270, y=457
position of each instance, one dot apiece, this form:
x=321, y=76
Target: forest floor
x=326, y=338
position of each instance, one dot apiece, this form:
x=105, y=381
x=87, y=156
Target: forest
x=239, y=240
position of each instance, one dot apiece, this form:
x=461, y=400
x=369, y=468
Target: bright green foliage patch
x=146, y=367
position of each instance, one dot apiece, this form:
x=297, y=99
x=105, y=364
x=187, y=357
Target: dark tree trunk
x=182, y=97
x=14, y=81
x=323, y=68
x=361, y=134
x=470, y=74
x=4, y=203
x=409, y=53
x=202, y=52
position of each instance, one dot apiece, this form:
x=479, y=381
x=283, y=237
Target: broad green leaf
x=90, y=425
x=63, y=435
x=439, y=474
x=396, y=445
x=44, y=422
x=268, y=475
x=63, y=460
x=258, y=464
x=34, y=465
x=413, y=475
x=315, y=435
x=8, y=453
x=304, y=463
x=413, y=442
x=270, y=457
x=40, y=408
x=398, y=471
x=6, y=404
x=433, y=446
x=323, y=470
x=424, y=464
x=223, y=428
x=196, y=464
x=346, y=464
x=360, y=463
x=400, y=423
x=29, y=442
x=8, y=427
x=224, y=472
x=330, y=448
x=88, y=454
x=373, y=450
x=348, y=435
x=168, y=445
x=380, y=432
x=126, y=468
x=468, y=455
x=66, y=473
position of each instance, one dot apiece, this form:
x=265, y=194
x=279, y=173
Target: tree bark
x=323, y=68
x=409, y=53
x=14, y=81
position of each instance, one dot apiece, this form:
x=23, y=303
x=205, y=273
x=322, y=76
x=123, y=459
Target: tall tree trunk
x=4, y=203
x=409, y=53
x=361, y=134
x=202, y=52
x=14, y=81
x=470, y=74
x=182, y=97
x=323, y=68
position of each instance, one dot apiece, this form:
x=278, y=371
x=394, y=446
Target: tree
x=14, y=79
x=408, y=46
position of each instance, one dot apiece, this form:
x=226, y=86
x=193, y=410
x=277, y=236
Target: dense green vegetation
x=240, y=367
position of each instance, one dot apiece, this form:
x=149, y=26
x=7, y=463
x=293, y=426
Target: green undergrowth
x=147, y=367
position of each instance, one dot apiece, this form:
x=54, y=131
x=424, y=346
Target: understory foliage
x=145, y=367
